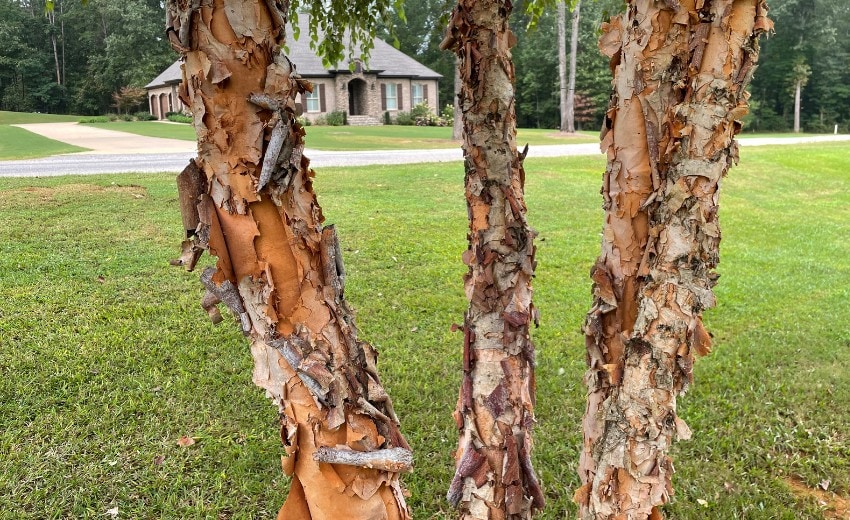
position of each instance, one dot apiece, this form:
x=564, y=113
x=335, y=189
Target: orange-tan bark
x=494, y=478
x=680, y=72
x=250, y=199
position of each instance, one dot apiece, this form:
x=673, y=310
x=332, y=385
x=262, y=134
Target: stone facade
x=355, y=94
x=162, y=100
x=360, y=94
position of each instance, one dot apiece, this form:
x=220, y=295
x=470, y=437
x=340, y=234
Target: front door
x=356, y=97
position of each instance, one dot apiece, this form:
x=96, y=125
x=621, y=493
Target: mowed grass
x=107, y=358
x=17, y=143
x=354, y=138
x=18, y=118
x=748, y=135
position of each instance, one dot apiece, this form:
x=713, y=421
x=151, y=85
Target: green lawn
x=351, y=138
x=748, y=135
x=19, y=118
x=17, y=143
x=416, y=137
x=107, y=357
x=150, y=129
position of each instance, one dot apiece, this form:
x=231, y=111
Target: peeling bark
x=494, y=478
x=248, y=199
x=680, y=72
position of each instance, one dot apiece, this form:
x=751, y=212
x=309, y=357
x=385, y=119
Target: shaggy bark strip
x=248, y=199
x=680, y=72
x=494, y=478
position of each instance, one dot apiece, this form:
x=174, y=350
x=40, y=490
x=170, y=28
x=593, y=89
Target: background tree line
x=811, y=46
x=808, y=47
x=74, y=59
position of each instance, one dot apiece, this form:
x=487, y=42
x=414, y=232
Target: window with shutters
x=418, y=94
x=313, y=100
x=391, y=92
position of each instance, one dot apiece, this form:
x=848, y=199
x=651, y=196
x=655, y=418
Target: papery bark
x=248, y=199
x=457, y=123
x=680, y=72
x=494, y=478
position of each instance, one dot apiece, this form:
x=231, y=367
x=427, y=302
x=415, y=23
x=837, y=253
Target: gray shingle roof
x=384, y=59
x=170, y=75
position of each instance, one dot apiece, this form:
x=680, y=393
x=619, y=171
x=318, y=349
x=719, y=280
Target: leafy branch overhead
x=50, y=5
x=537, y=8
x=337, y=24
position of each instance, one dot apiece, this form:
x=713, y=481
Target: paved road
x=88, y=163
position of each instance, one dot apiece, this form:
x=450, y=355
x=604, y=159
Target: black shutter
x=323, y=106
x=383, y=97
x=400, y=104
x=425, y=93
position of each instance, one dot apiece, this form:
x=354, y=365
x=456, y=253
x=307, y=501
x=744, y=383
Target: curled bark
x=397, y=460
x=278, y=269
x=495, y=412
x=680, y=72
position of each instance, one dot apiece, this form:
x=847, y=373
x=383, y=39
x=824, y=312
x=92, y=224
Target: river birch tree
x=248, y=199
x=681, y=68
x=494, y=478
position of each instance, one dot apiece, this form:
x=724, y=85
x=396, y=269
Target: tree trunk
x=494, y=478
x=248, y=198
x=457, y=126
x=51, y=18
x=571, y=89
x=798, y=87
x=562, y=64
x=62, y=32
x=679, y=85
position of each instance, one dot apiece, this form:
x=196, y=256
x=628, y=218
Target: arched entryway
x=357, y=105
x=164, y=107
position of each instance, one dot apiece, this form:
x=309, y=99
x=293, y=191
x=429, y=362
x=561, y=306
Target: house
x=391, y=82
x=162, y=91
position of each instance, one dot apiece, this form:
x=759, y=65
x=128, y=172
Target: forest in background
x=74, y=59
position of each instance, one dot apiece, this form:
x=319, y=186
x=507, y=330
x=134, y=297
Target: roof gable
x=170, y=75
x=385, y=60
